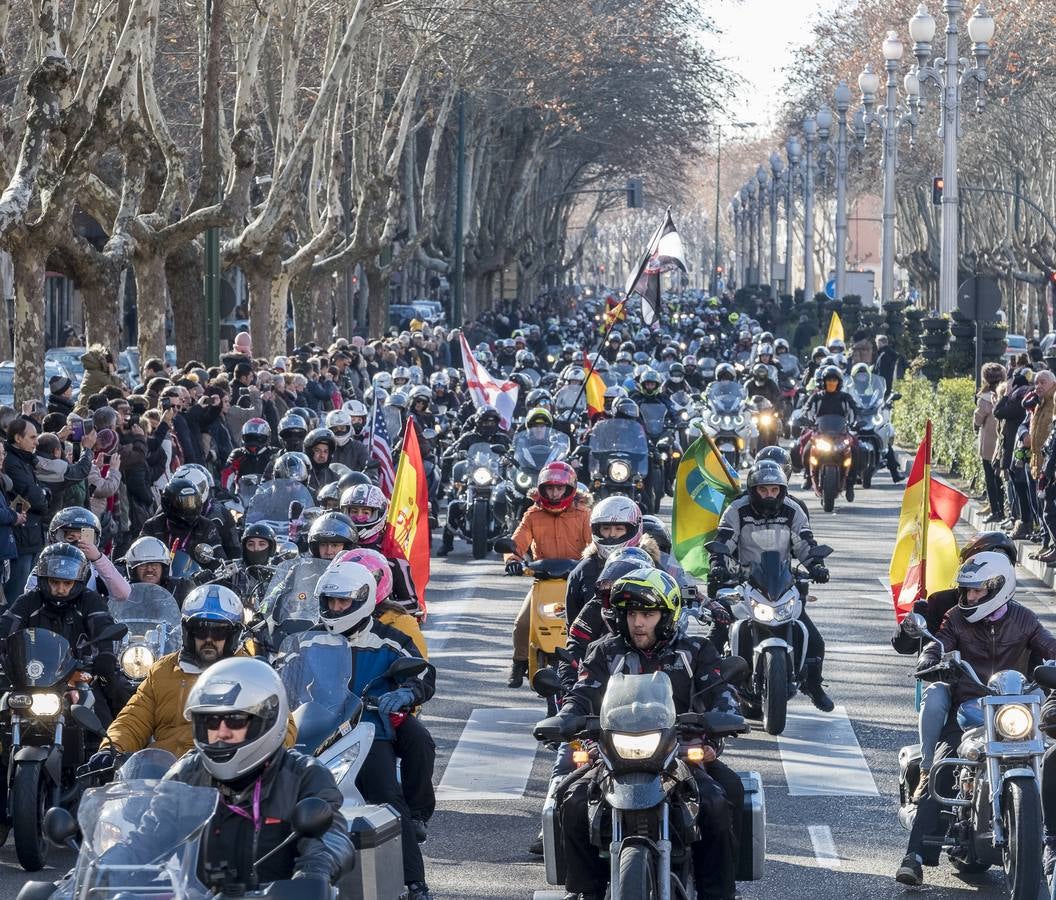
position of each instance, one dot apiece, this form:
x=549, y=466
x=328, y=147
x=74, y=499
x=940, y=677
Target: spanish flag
x=704, y=487
x=595, y=391
x=925, y=557
x=409, y=512
x=615, y=311
x=835, y=329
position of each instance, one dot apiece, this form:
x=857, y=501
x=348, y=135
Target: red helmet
x=560, y=473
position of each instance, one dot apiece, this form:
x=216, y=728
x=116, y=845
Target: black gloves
x=720, y=615
x=819, y=573
x=558, y=728
x=104, y=664
x=514, y=567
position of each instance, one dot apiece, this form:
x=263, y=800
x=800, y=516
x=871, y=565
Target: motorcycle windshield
x=37, y=658
x=315, y=668
x=623, y=437
x=571, y=396
x=636, y=704
x=141, y=834
x=183, y=565
x=148, y=763
x=832, y=425
x=654, y=417
x=481, y=456
x=868, y=391
x=726, y=397
x=707, y=366
x=291, y=592
x=271, y=502
x=771, y=574
x=151, y=614
x=788, y=365
x=539, y=445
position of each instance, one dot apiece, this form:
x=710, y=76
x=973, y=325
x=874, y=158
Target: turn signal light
x=580, y=757
x=695, y=754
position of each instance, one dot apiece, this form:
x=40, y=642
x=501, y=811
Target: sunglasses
x=211, y=631
x=234, y=721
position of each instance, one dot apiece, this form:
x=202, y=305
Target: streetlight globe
x=922, y=26
x=792, y=149
x=843, y=97
x=892, y=47
x=824, y=119
x=868, y=81
x=911, y=83
x=761, y=177
x=777, y=164
x=810, y=128
x=981, y=26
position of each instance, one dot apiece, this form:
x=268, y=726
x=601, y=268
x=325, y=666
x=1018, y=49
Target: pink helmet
x=376, y=563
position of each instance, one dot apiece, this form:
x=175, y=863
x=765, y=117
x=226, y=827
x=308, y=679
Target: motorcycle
x=50, y=686
x=618, y=461
x=767, y=632
x=725, y=420
x=289, y=606
x=872, y=429
x=766, y=420
x=994, y=815
x=831, y=454
x=666, y=448
x=532, y=449
x=476, y=479
x=642, y=754
x=152, y=617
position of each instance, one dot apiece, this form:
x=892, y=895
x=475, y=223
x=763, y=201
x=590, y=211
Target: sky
x=757, y=42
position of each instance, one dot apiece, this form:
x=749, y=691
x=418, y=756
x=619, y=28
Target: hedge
x=951, y=407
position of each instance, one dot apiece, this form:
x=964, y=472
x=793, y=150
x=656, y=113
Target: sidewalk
x=972, y=516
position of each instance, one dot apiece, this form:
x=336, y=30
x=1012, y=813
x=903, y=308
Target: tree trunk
x=322, y=300
x=275, y=340
x=29, y=266
x=183, y=275
x=150, y=305
x=102, y=311
x=303, y=310
x=377, y=299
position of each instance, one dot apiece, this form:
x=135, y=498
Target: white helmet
x=339, y=421
x=239, y=686
x=991, y=571
x=401, y=375
x=146, y=550
x=382, y=380
x=616, y=510
x=199, y=476
x=348, y=581
x=371, y=497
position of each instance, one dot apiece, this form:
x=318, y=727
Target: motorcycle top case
x=378, y=873
x=752, y=862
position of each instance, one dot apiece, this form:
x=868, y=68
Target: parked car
x=7, y=379
x=70, y=359
x=1014, y=345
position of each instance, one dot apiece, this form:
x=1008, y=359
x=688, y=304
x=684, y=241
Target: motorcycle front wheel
x=830, y=487
x=479, y=528
x=637, y=873
x=29, y=793
x=1021, y=856
x=775, y=690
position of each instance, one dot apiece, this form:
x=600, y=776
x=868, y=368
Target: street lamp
x=843, y=103
x=752, y=187
x=947, y=74
x=777, y=166
x=793, y=152
x=810, y=133
x=763, y=181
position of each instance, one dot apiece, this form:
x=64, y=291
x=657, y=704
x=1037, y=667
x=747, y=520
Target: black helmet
x=761, y=372
x=292, y=429
x=63, y=562
x=767, y=473
x=830, y=373
x=72, y=518
x=350, y=478
x=657, y=530
x=488, y=420
x=725, y=372
x=258, y=557
x=990, y=540
x=332, y=528
x=320, y=436
x=676, y=373
x=181, y=501
x=778, y=455
x=624, y=408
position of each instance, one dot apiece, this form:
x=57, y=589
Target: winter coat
x=60, y=478
x=60, y=405
x=237, y=416
x=20, y=467
x=1010, y=413
x=8, y=550
x=156, y=711
x=97, y=374
x=395, y=617
x=135, y=473
x=553, y=534
x=87, y=617
x=104, y=481
x=177, y=536
x=1040, y=425
x=985, y=424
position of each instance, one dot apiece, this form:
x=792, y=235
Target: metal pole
x=757, y=234
x=211, y=288
x=775, y=188
x=948, y=261
x=843, y=102
x=792, y=149
x=458, y=286
x=887, y=264
x=718, y=194
x=809, y=131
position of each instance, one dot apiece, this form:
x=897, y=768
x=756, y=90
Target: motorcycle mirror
x=288, y=553
x=339, y=469
x=895, y=396
x=915, y=625
x=505, y=545
x=408, y=667
x=203, y=553
x=88, y=720
x=821, y=551
x=719, y=547
x=312, y=817
x=1045, y=676
x=60, y=827
x=115, y=632
x=499, y=449
x=546, y=683
x=295, y=510
x=733, y=669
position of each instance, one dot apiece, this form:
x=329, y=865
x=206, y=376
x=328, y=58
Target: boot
x=447, y=543
x=1048, y=859
x=421, y=829
x=812, y=686
x=418, y=890
x=1020, y=533
x=518, y=672
x=910, y=873
x=536, y=846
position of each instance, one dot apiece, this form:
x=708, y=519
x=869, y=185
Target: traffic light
x=1052, y=278
x=634, y=193
x=936, y=190
x=719, y=270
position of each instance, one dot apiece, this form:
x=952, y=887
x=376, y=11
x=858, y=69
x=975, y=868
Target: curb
x=972, y=516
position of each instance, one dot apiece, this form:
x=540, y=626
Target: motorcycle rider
x=347, y=594
x=762, y=384
x=212, y=508
x=346, y=425
x=829, y=400
x=555, y=526
x=767, y=518
x=147, y=562
x=252, y=458
x=993, y=633
x=866, y=383
x=181, y=525
x=330, y=534
x=646, y=606
x=292, y=430
x=80, y=526
x=319, y=446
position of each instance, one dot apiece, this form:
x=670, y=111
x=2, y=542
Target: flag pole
x=926, y=514
x=597, y=353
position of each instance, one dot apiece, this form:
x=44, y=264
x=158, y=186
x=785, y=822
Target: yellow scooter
x=547, y=629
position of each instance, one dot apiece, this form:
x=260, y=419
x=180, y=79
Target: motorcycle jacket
x=355, y=454
x=85, y=617
x=584, y=577
x=242, y=462
x=233, y=841
x=178, y=536
x=750, y=533
x=768, y=389
x=838, y=403
x=553, y=534
x=473, y=437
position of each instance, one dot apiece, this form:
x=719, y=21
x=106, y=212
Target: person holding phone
x=29, y=497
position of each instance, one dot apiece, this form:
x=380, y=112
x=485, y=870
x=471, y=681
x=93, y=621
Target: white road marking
x=438, y=633
x=885, y=583
x=494, y=756
x=821, y=756
x=549, y=895
x=857, y=649
x=824, y=847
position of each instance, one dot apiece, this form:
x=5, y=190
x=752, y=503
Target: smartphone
x=88, y=425
x=77, y=431
x=88, y=535
x=166, y=403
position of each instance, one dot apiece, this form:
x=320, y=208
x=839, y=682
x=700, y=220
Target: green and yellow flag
x=704, y=486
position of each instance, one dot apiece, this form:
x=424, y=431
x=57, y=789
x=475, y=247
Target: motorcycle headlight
x=762, y=612
x=482, y=475
x=766, y=419
x=636, y=746
x=825, y=446
x=136, y=660
x=1014, y=722
x=340, y=765
x=523, y=481
x=46, y=704
x=619, y=470
x=878, y=421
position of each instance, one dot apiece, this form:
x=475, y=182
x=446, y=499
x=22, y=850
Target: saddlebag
x=375, y=832
x=751, y=862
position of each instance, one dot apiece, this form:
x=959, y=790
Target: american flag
x=381, y=450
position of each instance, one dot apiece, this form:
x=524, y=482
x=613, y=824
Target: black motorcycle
x=50, y=730
x=532, y=449
x=618, y=462
x=665, y=446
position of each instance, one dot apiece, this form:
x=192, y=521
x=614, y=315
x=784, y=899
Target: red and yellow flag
x=925, y=556
x=595, y=391
x=615, y=311
x=409, y=512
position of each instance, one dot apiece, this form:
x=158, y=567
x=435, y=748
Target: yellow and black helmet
x=647, y=589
